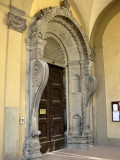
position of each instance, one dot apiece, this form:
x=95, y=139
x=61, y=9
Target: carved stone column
x=90, y=88
x=80, y=136
x=37, y=76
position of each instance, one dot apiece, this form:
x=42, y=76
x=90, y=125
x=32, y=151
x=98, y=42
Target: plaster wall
x=12, y=88
x=12, y=94
x=111, y=54
x=3, y=41
x=90, y=10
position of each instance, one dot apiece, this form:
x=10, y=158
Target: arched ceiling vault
x=101, y=23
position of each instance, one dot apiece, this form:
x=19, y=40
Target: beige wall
x=3, y=48
x=12, y=87
x=111, y=54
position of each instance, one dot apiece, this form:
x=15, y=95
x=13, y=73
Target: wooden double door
x=51, y=112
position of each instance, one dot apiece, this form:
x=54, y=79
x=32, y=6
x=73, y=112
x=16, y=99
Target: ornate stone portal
x=57, y=27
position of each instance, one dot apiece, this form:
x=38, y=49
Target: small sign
x=115, y=107
x=116, y=111
x=42, y=111
x=116, y=116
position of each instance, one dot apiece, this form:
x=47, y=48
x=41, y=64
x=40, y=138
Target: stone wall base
x=11, y=158
x=76, y=141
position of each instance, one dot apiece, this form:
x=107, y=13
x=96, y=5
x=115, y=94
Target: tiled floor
x=94, y=153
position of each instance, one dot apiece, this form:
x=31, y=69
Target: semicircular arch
x=101, y=23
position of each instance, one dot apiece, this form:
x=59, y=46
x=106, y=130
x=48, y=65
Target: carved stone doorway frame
x=57, y=24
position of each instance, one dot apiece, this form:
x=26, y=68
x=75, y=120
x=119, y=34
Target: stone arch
x=74, y=50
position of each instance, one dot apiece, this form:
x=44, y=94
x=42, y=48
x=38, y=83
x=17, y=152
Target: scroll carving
x=37, y=80
x=91, y=85
x=39, y=73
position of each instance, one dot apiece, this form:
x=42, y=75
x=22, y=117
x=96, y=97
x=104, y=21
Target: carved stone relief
x=15, y=20
x=58, y=28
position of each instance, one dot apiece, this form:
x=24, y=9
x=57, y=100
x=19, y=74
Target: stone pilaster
x=37, y=76
x=83, y=138
x=101, y=134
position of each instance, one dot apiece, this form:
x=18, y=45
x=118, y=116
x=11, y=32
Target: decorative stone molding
x=15, y=21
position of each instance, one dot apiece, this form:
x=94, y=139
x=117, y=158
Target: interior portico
x=59, y=65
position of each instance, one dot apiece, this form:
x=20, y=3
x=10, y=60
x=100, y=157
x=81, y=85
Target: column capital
x=35, y=46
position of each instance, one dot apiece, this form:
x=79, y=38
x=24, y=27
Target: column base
x=31, y=150
x=84, y=141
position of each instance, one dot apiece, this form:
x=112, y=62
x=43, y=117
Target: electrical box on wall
x=22, y=120
x=116, y=111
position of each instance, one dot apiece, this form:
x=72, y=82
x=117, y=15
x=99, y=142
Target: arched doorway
x=52, y=105
x=56, y=37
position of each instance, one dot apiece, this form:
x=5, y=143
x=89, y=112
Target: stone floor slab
x=94, y=153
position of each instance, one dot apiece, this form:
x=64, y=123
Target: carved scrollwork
x=36, y=73
x=91, y=85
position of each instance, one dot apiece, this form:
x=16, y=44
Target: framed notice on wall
x=116, y=111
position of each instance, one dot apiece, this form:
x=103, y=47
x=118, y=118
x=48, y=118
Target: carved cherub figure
x=66, y=4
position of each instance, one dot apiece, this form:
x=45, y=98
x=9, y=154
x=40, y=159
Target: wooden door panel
x=51, y=124
x=45, y=147
x=44, y=131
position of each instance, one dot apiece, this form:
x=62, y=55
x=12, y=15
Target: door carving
x=51, y=112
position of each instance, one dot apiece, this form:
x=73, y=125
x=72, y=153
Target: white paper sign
x=115, y=107
x=116, y=116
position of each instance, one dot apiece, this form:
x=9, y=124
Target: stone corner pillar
x=81, y=136
x=37, y=76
